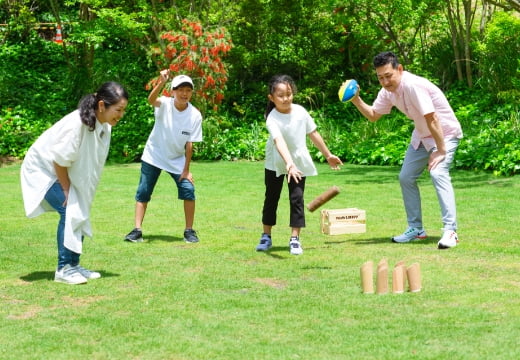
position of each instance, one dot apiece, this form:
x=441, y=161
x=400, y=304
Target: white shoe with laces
x=295, y=246
x=87, y=274
x=69, y=275
x=449, y=239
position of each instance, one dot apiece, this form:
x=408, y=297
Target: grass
x=220, y=299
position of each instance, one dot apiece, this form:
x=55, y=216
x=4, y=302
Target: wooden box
x=343, y=221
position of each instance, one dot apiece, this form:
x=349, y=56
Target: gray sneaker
x=136, y=236
x=69, y=275
x=265, y=243
x=87, y=274
x=410, y=234
x=190, y=236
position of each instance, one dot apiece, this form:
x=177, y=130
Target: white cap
x=181, y=79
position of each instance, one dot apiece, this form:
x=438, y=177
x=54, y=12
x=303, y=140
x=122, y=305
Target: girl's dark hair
x=385, y=58
x=110, y=92
x=275, y=81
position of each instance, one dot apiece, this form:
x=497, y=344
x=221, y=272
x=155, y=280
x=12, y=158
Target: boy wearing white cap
x=178, y=124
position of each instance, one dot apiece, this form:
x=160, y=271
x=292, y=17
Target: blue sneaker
x=265, y=243
x=410, y=234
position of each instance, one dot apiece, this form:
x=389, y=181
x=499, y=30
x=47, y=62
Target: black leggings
x=273, y=189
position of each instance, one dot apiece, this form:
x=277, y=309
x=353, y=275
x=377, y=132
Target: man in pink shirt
x=435, y=139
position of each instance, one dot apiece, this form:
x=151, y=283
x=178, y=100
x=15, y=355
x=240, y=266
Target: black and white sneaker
x=135, y=236
x=190, y=236
x=294, y=246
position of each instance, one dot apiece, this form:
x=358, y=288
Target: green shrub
x=224, y=141
x=33, y=75
x=18, y=129
x=130, y=135
x=499, y=61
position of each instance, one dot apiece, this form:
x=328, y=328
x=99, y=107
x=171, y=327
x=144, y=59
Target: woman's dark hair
x=275, y=81
x=110, y=92
x=385, y=58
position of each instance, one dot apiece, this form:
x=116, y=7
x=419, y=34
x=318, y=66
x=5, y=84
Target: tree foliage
x=500, y=50
x=198, y=53
x=469, y=48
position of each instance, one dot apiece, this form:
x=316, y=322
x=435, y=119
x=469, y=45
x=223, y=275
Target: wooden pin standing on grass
x=323, y=198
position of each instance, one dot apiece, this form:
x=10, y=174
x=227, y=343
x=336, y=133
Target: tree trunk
x=454, y=39
x=469, y=14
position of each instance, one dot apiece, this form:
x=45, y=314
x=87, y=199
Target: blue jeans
x=56, y=197
x=415, y=162
x=148, y=180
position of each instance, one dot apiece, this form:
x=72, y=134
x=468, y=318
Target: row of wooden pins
x=400, y=276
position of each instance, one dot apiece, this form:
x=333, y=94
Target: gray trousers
x=415, y=162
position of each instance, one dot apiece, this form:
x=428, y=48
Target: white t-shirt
x=166, y=145
x=293, y=127
x=70, y=144
x=416, y=97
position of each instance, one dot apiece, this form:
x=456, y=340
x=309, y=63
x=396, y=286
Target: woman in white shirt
x=286, y=155
x=61, y=171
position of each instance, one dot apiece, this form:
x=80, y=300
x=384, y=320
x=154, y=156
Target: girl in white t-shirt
x=61, y=170
x=286, y=155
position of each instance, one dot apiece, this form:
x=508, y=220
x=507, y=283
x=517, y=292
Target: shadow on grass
x=272, y=252
x=429, y=240
x=49, y=276
x=275, y=250
x=167, y=238
x=369, y=174
x=462, y=179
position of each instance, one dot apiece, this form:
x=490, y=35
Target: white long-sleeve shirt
x=70, y=144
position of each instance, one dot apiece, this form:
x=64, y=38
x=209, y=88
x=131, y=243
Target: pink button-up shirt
x=417, y=97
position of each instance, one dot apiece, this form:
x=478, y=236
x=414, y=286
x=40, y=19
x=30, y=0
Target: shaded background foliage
x=469, y=48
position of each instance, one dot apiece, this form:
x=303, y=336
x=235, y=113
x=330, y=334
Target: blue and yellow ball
x=348, y=90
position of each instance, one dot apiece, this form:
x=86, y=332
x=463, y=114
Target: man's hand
x=436, y=157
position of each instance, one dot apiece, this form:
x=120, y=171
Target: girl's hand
x=334, y=162
x=294, y=173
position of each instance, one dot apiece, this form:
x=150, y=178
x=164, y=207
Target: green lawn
x=220, y=299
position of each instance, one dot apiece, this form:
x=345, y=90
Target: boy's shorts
x=148, y=180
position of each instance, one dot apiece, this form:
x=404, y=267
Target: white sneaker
x=87, y=274
x=69, y=275
x=449, y=239
x=295, y=246
x=410, y=234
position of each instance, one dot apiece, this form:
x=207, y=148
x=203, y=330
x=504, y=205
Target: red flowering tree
x=198, y=53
